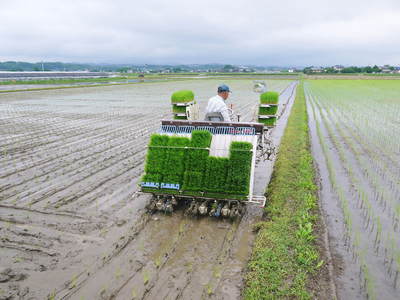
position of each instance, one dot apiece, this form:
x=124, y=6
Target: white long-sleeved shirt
x=217, y=104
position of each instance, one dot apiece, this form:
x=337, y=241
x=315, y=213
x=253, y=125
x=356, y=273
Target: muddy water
x=71, y=223
x=358, y=254
x=348, y=283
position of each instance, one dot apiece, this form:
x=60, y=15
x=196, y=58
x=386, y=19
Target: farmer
x=216, y=109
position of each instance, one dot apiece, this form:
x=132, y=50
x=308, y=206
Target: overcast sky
x=261, y=32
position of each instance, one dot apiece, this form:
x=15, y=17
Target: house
x=387, y=69
x=338, y=68
x=316, y=69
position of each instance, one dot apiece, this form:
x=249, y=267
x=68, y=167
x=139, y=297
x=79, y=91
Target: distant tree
x=352, y=69
x=376, y=69
x=228, y=68
x=367, y=69
x=123, y=70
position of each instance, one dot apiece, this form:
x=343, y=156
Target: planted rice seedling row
x=376, y=203
x=385, y=197
x=370, y=171
x=337, y=188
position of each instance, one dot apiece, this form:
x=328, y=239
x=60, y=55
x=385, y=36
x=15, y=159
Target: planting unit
x=268, y=108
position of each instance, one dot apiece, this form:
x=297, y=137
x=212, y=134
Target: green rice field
x=355, y=126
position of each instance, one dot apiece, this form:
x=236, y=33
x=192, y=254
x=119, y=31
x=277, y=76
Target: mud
x=72, y=223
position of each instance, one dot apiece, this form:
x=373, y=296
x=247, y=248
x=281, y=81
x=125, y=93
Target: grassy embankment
x=285, y=254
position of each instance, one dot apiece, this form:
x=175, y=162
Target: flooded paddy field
x=354, y=127
x=72, y=223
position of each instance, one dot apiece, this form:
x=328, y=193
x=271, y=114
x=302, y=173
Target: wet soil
x=72, y=223
x=358, y=252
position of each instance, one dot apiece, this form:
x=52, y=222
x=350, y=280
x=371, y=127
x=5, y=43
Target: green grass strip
x=285, y=253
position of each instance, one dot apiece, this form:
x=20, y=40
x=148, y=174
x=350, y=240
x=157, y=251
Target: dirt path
x=73, y=227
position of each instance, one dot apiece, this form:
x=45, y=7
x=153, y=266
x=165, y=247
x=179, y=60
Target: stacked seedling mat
x=180, y=100
x=268, y=108
x=200, y=163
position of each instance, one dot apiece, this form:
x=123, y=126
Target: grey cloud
x=257, y=32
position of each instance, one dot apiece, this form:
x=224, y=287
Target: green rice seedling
x=178, y=109
x=215, y=175
x=269, y=97
x=118, y=273
x=217, y=272
x=182, y=96
x=156, y=158
x=268, y=121
x=174, y=164
x=197, y=160
x=73, y=282
x=398, y=268
x=239, y=167
x=378, y=231
x=156, y=154
x=146, y=277
x=51, y=296
x=18, y=260
x=209, y=289
x=193, y=181
x=103, y=291
x=272, y=110
x=151, y=178
x=181, y=228
x=180, y=117
x=133, y=293
x=189, y=266
x=368, y=282
x=157, y=262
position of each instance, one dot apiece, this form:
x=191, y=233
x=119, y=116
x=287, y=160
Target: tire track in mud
x=86, y=168
x=69, y=125
x=96, y=139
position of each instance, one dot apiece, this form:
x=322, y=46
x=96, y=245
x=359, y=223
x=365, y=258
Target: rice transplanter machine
x=208, y=165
